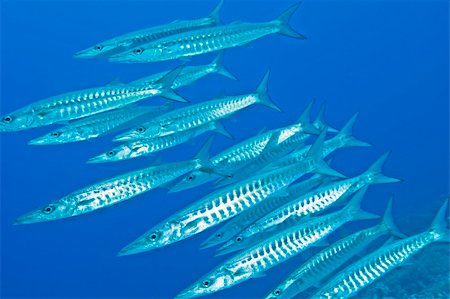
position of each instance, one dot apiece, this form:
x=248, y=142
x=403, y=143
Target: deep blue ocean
x=387, y=60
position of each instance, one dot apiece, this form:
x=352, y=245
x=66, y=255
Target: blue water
x=386, y=59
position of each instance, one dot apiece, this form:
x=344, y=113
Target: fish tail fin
x=215, y=13
x=354, y=207
x=220, y=129
x=374, y=172
x=346, y=133
x=263, y=96
x=305, y=120
x=217, y=64
x=388, y=221
x=439, y=225
x=320, y=123
x=283, y=19
x=315, y=153
x=167, y=81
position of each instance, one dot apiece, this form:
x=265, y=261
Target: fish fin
x=320, y=123
x=389, y=241
x=262, y=131
x=283, y=19
x=354, y=207
x=305, y=120
x=374, y=171
x=116, y=81
x=439, y=224
x=388, y=221
x=263, y=97
x=220, y=129
x=215, y=13
x=171, y=95
x=316, y=154
x=203, y=153
x=220, y=68
x=346, y=133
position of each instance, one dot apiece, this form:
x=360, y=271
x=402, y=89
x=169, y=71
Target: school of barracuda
x=268, y=217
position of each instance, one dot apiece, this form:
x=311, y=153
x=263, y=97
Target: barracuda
x=329, y=259
x=241, y=221
x=255, y=261
x=87, y=102
x=223, y=204
x=305, y=206
x=128, y=41
x=208, y=40
x=238, y=156
x=190, y=74
x=115, y=190
x=99, y=124
x=144, y=147
x=196, y=115
x=369, y=269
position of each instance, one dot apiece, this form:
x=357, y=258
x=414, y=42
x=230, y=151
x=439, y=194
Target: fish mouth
x=83, y=54
x=210, y=242
x=38, y=141
x=226, y=250
x=187, y=293
x=122, y=59
x=138, y=246
x=123, y=137
x=98, y=159
x=29, y=219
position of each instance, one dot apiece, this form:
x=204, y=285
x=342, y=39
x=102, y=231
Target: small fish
x=206, y=40
x=195, y=115
x=369, y=269
x=128, y=41
x=145, y=147
x=226, y=203
x=241, y=221
x=190, y=74
x=252, y=263
x=115, y=190
x=99, y=125
x=87, y=102
x=306, y=205
x=329, y=259
x=238, y=156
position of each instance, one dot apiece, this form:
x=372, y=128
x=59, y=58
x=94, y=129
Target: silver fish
x=99, y=124
x=329, y=259
x=206, y=40
x=195, y=115
x=87, y=102
x=145, y=147
x=130, y=40
x=253, y=262
x=369, y=269
x=115, y=190
x=223, y=204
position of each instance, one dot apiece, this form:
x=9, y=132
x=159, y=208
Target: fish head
x=218, y=279
x=237, y=243
x=138, y=54
x=191, y=180
x=104, y=49
x=222, y=235
x=17, y=121
x=56, y=137
x=122, y=152
x=288, y=288
x=140, y=132
x=52, y=211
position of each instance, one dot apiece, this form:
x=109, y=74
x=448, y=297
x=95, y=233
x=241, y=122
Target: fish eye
x=98, y=47
x=55, y=134
x=277, y=292
x=206, y=283
x=48, y=209
x=140, y=129
x=229, y=176
x=111, y=153
x=138, y=51
x=153, y=237
x=190, y=178
x=239, y=239
x=7, y=119
x=219, y=235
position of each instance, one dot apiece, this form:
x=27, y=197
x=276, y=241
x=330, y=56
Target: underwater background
x=388, y=60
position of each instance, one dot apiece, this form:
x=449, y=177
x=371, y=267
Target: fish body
x=98, y=125
x=218, y=206
x=133, y=39
x=275, y=250
x=206, y=40
x=243, y=220
x=196, y=115
x=369, y=269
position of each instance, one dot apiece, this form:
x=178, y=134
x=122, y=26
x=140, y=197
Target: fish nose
x=37, y=141
x=97, y=159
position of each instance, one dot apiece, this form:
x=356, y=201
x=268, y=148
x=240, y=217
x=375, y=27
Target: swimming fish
x=145, y=147
x=252, y=263
x=195, y=115
x=190, y=74
x=225, y=203
x=206, y=40
x=241, y=221
x=115, y=190
x=306, y=205
x=130, y=40
x=369, y=269
x=87, y=102
x=322, y=264
x=99, y=125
